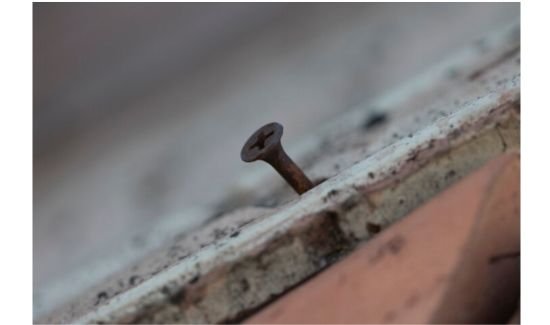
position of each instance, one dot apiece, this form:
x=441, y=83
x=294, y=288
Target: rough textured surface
x=437, y=128
x=455, y=260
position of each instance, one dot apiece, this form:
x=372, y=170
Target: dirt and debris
x=101, y=297
x=373, y=228
x=375, y=119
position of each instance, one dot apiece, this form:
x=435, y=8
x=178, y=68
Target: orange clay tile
x=453, y=260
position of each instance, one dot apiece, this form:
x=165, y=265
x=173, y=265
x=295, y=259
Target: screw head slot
x=262, y=142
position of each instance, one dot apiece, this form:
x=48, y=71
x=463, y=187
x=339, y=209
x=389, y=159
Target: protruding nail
x=265, y=144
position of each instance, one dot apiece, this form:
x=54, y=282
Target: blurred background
x=140, y=110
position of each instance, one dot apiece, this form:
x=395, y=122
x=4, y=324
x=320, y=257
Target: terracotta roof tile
x=453, y=260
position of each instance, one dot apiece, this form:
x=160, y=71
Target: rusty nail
x=265, y=144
